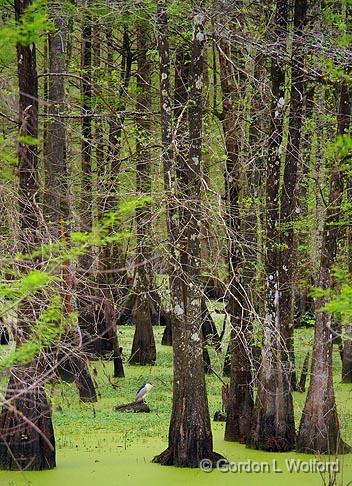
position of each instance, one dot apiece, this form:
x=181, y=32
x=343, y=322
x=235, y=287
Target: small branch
x=8, y=118
x=99, y=115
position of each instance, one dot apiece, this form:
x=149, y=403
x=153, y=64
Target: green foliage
x=319, y=293
x=29, y=30
x=52, y=322
x=335, y=74
x=128, y=207
x=103, y=233
x=16, y=290
x=8, y=158
x=341, y=304
x=27, y=140
x=80, y=242
x=32, y=25
x=178, y=18
x=340, y=149
x=47, y=329
x=306, y=320
x=334, y=18
x=345, y=40
x=339, y=298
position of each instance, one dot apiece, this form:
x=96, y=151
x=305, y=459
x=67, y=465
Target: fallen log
x=139, y=407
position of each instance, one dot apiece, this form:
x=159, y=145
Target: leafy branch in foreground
x=52, y=322
x=50, y=325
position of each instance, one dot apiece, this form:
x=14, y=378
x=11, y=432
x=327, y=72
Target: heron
x=143, y=392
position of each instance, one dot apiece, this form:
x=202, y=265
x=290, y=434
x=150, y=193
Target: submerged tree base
x=118, y=367
x=273, y=436
x=167, y=335
x=27, y=440
x=315, y=447
x=271, y=444
x=173, y=456
x=85, y=385
x=142, y=359
x=318, y=440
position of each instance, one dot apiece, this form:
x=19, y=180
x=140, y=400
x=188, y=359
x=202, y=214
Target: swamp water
x=105, y=460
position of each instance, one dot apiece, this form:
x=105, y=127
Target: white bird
x=143, y=392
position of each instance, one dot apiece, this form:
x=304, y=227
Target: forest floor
x=98, y=446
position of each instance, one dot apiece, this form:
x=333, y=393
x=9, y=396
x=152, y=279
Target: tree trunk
x=319, y=430
x=27, y=435
x=240, y=403
x=210, y=333
x=303, y=302
x=190, y=437
x=347, y=348
x=86, y=151
x=143, y=347
x=166, y=340
x=57, y=195
x=274, y=428
x=26, y=431
x=302, y=382
x=347, y=357
x=83, y=380
x=110, y=284
x=254, y=191
x=167, y=148
x=100, y=141
x=57, y=209
x=111, y=256
x=86, y=142
x=289, y=206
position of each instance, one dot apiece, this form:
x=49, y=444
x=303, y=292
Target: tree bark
x=240, y=403
x=57, y=195
x=143, y=347
x=111, y=256
x=86, y=142
x=347, y=357
x=274, y=428
x=84, y=382
x=302, y=382
x=319, y=430
x=86, y=197
x=26, y=431
x=190, y=437
x=27, y=435
x=108, y=165
x=83, y=379
x=289, y=205
x=167, y=148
